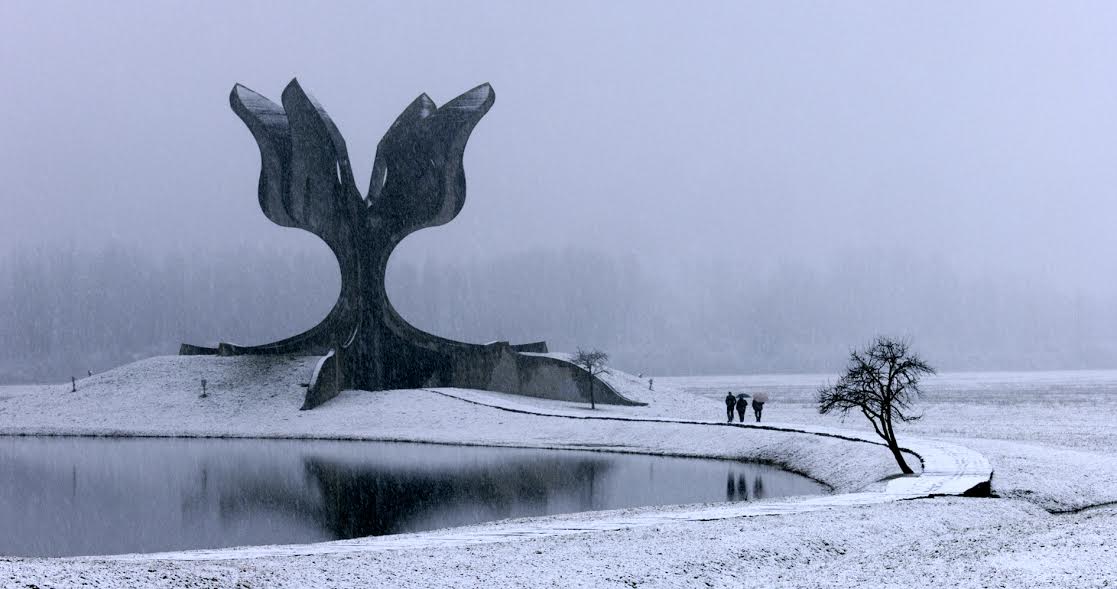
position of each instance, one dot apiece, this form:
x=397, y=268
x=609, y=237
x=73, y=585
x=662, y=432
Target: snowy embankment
x=920, y=543
x=947, y=469
x=260, y=397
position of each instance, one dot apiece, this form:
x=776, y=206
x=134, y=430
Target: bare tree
x=593, y=362
x=882, y=382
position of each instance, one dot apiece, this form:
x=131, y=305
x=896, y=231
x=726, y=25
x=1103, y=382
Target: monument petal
x=418, y=181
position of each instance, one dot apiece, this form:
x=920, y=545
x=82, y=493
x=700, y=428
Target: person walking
x=757, y=408
x=742, y=406
x=730, y=402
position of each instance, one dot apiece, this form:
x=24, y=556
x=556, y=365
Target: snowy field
x=1049, y=436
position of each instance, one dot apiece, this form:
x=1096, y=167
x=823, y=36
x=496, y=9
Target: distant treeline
x=63, y=312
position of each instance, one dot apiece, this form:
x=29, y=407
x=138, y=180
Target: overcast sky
x=980, y=133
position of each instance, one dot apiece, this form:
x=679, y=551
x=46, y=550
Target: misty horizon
x=71, y=310
x=938, y=172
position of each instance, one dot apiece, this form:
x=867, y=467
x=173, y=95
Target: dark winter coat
x=730, y=400
x=742, y=404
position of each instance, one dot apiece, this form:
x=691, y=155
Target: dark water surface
x=83, y=496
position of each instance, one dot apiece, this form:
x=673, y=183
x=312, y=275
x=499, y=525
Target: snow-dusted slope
x=921, y=543
x=260, y=397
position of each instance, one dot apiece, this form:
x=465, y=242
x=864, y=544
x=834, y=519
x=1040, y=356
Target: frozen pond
x=83, y=496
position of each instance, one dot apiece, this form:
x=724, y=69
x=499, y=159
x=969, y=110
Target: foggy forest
x=69, y=311
x=758, y=190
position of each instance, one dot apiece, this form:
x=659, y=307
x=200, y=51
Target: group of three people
x=741, y=403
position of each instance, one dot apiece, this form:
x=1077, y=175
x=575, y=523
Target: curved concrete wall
x=499, y=367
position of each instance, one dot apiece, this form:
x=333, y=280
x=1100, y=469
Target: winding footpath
x=948, y=469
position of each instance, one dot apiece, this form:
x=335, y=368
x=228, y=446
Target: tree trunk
x=895, y=448
x=890, y=437
x=592, y=403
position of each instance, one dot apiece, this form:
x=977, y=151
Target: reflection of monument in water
x=352, y=499
x=361, y=501
x=78, y=496
x=348, y=499
x=418, y=181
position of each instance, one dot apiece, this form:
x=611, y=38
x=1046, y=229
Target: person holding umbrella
x=742, y=406
x=758, y=401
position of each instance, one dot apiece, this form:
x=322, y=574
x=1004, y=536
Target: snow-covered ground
x=1049, y=437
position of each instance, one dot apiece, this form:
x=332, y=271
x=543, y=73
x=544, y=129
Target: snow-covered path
x=948, y=469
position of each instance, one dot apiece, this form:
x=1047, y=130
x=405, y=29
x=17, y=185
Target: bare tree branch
x=882, y=382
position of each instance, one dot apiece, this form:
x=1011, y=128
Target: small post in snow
x=73, y=385
x=650, y=381
x=204, y=395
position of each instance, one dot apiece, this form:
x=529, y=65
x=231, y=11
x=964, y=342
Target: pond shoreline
x=979, y=533
x=797, y=449
x=78, y=496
